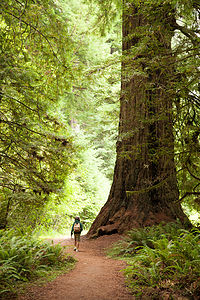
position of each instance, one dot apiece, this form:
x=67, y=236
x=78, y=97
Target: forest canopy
x=36, y=147
x=49, y=89
x=59, y=91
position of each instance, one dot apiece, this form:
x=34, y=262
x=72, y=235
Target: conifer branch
x=194, y=176
x=188, y=33
x=40, y=33
x=22, y=126
x=14, y=99
x=187, y=194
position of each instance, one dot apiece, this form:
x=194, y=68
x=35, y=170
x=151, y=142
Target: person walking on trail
x=77, y=227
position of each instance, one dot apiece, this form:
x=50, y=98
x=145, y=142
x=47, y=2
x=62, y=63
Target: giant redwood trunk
x=144, y=190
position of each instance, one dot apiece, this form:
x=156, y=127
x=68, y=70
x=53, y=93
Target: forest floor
x=95, y=276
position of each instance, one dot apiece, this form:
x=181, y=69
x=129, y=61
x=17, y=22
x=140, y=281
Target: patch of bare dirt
x=95, y=277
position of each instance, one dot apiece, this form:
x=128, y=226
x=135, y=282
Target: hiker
x=77, y=227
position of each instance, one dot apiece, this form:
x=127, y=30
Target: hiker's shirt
x=81, y=228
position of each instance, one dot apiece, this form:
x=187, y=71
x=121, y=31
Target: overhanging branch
x=187, y=194
x=188, y=33
x=194, y=176
x=14, y=99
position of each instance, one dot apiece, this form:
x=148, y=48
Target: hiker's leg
x=77, y=245
x=78, y=241
x=75, y=241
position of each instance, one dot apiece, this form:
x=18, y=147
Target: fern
x=23, y=258
x=159, y=255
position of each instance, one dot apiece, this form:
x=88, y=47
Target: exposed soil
x=95, y=276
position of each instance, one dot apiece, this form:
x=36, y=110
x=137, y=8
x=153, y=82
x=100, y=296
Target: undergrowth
x=161, y=259
x=24, y=259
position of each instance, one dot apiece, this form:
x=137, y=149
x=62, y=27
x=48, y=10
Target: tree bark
x=144, y=190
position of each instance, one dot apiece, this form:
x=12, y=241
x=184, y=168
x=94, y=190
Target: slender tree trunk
x=4, y=214
x=144, y=190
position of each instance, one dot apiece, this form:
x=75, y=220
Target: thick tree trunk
x=144, y=190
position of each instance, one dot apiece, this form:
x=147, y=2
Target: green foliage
x=107, y=12
x=83, y=194
x=187, y=103
x=23, y=258
x=36, y=61
x=94, y=100
x=164, y=257
x=91, y=108
x=57, y=72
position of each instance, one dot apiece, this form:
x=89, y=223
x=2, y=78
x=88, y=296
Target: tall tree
x=144, y=189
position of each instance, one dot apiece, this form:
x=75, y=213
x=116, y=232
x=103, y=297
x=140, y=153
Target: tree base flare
x=125, y=220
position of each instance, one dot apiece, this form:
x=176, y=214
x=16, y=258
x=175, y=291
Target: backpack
x=77, y=227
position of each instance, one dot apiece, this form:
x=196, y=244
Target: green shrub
x=164, y=257
x=23, y=258
x=138, y=238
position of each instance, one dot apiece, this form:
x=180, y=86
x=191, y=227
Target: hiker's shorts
x=77, y=237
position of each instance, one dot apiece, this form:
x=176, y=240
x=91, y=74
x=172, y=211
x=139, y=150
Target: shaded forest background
x=60, y=88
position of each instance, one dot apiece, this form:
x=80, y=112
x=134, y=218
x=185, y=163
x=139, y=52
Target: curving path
x=95, y=276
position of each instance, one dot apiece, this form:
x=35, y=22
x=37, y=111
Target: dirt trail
x=95, y=276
